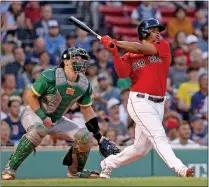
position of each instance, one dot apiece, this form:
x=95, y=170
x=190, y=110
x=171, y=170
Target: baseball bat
x=84, y=27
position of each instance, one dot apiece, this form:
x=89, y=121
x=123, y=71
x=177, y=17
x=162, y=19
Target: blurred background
x=34, y=35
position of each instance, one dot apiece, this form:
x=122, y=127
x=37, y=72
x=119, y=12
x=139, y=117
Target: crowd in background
x=32, y=42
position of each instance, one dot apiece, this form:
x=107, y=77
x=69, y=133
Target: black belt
x=153, y=99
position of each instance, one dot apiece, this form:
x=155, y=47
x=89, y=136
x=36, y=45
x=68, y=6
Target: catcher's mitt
x=106, y=148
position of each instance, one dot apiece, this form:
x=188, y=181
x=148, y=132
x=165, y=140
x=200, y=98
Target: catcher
x=50, y=97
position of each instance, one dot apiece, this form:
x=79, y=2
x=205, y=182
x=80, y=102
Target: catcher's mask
x=143, y=28
x=79, y=65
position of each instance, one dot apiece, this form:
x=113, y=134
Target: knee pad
x=83, y=139
x=36, y=134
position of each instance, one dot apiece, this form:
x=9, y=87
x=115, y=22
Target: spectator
x=32, y=13
x=38, y=48
x=204, y=109
x=27, y=75
x=62, y=143
x=24, y=100
x=199, y=22
x=112, y=135
x=83, y=40
x=4, y=106
x=9, y=84
x=36, y=72
x=71, y=40
x=91, y=73
x=55, y=42
x=46, y=141
x=177, y=73
x=196, y=58
x=41, y=27
x=24, y=33
x=123, y=83
x=104, y=64
x=124, y=117
x=203, y=39
x=95, y=45
x=5, y=134
x=170, y=126
x=205, y=32
x=144, y=11
x=169, y=106
x=180, y=41
x=198, y=128
x=44, y=59
x=114, y=119
x=104, y=92
x=131, y=135
x=103, y=124
x=8, y=18
x=187, y=89
x=179, y=23
x=13, y=119
x=184, y=133
x=6, y=52
x=191, y=42
x=199, y=97
x=170, y=122
x=204, y=67
x=16, y=67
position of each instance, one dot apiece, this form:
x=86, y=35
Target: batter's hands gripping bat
x=84, y=27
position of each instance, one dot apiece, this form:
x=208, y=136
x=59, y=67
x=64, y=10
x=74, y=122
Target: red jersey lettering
x=149, y=73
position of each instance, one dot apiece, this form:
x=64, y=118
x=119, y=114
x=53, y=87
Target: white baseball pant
x=149, y=132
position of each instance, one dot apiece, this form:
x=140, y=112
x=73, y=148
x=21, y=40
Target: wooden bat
x=84, y=27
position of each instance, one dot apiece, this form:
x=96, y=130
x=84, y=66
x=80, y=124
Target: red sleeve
x=122, y=65
x=163, y=48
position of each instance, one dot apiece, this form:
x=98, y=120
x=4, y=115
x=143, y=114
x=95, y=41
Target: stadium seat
x=170, y=11
x=130, y=38
x=127, y=9
x=130, y=3
x=111, y=10
x=125, y=31
x=118, y=20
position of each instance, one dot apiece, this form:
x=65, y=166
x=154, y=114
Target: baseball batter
x=147, y=64
x=50, y=97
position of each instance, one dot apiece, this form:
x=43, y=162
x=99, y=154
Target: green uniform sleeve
x=39, y=86
x=85, y=100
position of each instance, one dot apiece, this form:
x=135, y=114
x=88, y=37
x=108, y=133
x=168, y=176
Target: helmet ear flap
x=145, y=33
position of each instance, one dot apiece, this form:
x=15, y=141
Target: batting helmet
x=77, y=64
x=143, y=28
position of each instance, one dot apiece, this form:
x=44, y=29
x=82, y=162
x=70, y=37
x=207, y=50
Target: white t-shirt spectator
x=176, y=143
x=142, y=13
x=123, y=115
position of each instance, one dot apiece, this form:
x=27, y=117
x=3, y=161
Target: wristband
x=39, y=112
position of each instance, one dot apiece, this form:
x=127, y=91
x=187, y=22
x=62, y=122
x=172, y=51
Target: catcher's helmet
x=72, y=52
x=143, y=28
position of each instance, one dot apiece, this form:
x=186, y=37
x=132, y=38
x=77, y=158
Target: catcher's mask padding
x=71, y=54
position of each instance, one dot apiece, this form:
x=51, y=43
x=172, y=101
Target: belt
x=153, y=99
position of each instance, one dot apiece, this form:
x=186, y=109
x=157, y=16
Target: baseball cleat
x=84, y=174
x=8, y=175
x=185, y=172
x=106, y=171
x=189, y=172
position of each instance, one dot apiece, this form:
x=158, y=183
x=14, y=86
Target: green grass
x=145, y=181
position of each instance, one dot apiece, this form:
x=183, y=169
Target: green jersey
x=56, y=95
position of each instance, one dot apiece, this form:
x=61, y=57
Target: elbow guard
x=92, y=126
